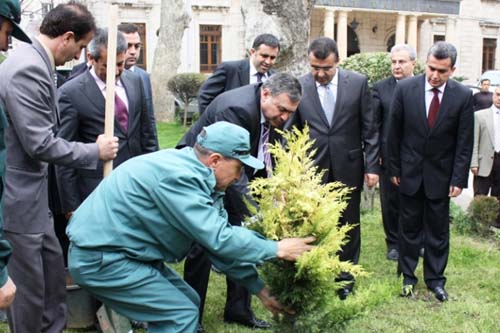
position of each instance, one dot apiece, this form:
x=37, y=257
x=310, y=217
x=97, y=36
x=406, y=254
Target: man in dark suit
x=234, y=74
x=82, y=106
x=337, y=108
x=131, y=33
x=484, y=98
x=402, y=65
x=430, y=146
x=260, y=109
x=28, y=95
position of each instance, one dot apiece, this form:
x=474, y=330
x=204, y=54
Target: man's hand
x=396, y=180
x=270, y=302
x=371, y=179
x=455, y=191
x=68, y=215
x=474, y=170
x=292, y=248
x=7, y=293
x=108, y=147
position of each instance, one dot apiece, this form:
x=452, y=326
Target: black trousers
x=197, y=265
x=389, y=201
x=351, y=250
x=483, y=185
x=421, y=216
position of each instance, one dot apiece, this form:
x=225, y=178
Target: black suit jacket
x=228, y=75
x=438, y=157
x=350, y=146
x=239, y=106
x=82, y=108
x=382, y=93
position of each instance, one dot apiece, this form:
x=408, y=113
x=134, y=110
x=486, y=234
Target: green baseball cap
x=229, y=140
x=11, y=10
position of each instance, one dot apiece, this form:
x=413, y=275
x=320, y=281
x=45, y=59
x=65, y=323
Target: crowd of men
x=415, y=134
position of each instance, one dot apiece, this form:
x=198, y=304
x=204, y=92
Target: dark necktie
x=433, y=108
x=121, y=113
x=259, y=77
x=264, y=141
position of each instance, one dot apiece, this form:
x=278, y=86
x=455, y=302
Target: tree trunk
x=174, y=20
x=287, y=20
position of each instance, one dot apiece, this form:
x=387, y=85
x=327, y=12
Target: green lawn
x=473, y=284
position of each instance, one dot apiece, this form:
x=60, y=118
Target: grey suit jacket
x=82, y=108
x=350, y=146
x=28, y=95
x=483, y=151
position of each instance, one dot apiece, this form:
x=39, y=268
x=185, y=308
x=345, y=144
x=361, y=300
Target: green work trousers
x=145, y=291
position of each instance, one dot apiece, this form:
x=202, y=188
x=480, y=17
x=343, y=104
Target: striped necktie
x=264, y=143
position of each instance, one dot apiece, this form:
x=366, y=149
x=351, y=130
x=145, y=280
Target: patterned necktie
x=433, y=108
x=121, y=113
x=264, y=142
x=328, y=103
x=259, y=77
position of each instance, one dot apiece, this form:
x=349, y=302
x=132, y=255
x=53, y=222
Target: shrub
x=483, y=211
x=185, y=88
x=375, y=65
x=294, y=203
x=460, y=220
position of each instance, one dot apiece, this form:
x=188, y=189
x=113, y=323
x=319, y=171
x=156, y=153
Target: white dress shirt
x=119, y=88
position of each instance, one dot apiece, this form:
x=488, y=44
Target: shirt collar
x=253, y=70
x=495, y=109
x=49, y=54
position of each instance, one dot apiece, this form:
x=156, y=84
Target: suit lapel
x=244, y=72
x=446, y=102
x=132, y=97
x=342, y=87
x=489, y=123
x=91, y=91
x=312, y=91
x=419, y=91
x=50, y=71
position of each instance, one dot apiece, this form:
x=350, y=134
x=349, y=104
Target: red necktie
x=121, y=113
x=433, y=108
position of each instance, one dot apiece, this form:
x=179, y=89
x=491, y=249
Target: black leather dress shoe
x=251, y=322
x=344, y=292
x=440, y=294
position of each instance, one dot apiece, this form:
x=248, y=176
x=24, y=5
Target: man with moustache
x=234, y=74
x=28, y=95
x=337, y=108
x=430, y=146
x=402, y=65
x=260, y=109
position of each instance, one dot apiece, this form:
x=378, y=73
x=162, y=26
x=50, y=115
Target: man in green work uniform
x=151, y=210
x=10, y=16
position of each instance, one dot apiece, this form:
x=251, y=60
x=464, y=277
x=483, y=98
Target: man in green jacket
x=10, y=16
x=151, y=210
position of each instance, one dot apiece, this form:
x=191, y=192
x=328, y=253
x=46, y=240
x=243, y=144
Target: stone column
x=342, y=35
x=412, y=31
x=401, y=29
x=329, y=25
x=451, y=36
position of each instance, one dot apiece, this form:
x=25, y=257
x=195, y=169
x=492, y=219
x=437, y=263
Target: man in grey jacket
x=28, y=95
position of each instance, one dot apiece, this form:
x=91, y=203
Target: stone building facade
x=217, y=33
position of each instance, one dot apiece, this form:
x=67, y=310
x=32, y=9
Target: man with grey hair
x=402, y=66
x=82, y=106
x=430, y=146
x=260, y=109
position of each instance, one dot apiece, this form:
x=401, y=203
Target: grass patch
x=473, y=284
